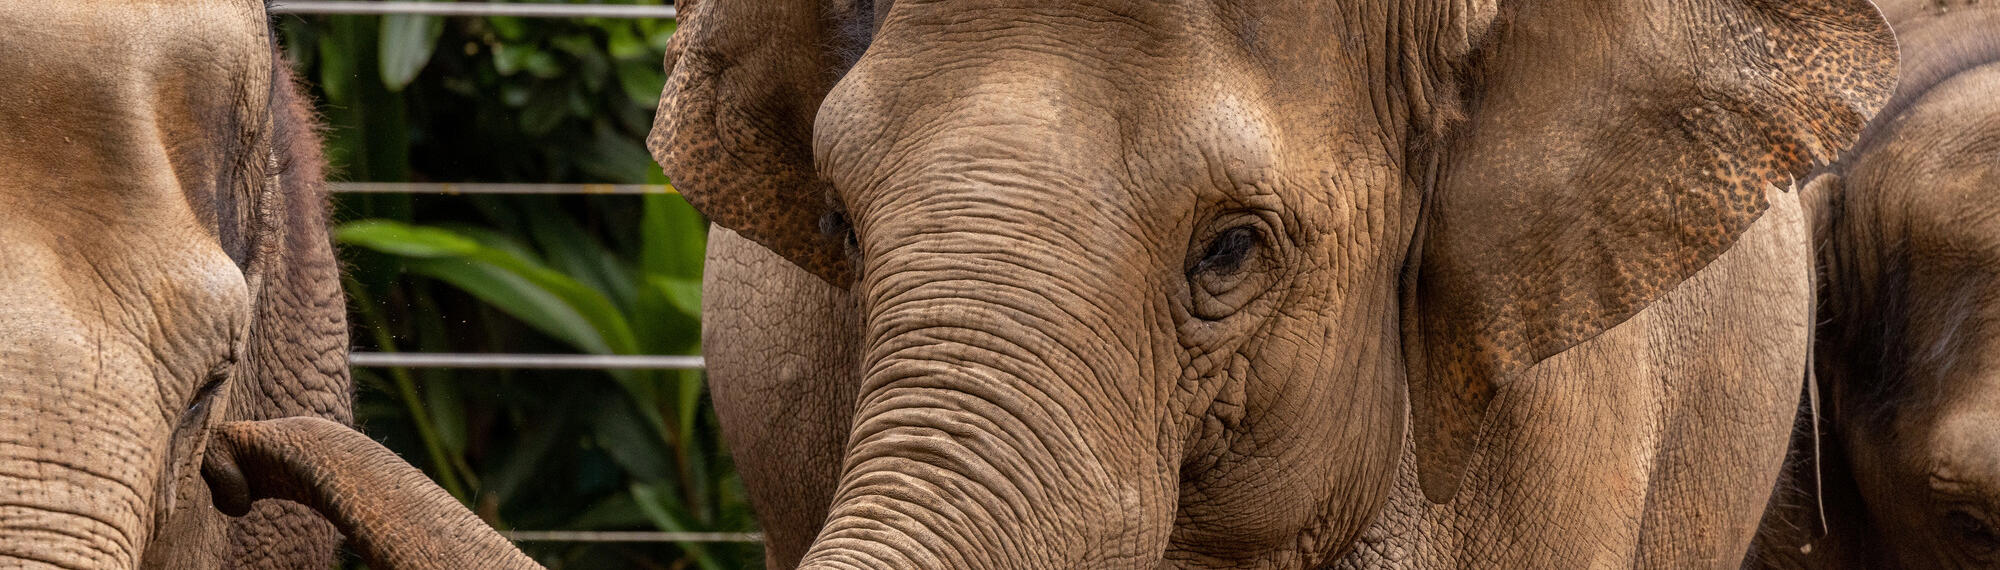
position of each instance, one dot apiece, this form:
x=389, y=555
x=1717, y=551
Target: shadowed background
x=494, y=99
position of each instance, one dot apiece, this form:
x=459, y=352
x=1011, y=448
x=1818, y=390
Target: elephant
x=1000, y=284
x=1271, y=283
x=1900, y=467
x=167, y=267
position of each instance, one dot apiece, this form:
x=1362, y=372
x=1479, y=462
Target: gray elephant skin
x=1119, y=284
x=1908, y=448
x=164, y=267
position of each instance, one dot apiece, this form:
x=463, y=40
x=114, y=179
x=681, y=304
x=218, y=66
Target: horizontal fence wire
x=494, y=188
x=474, y=9
x=538, y=361
x=519, y=361
x=634, y=536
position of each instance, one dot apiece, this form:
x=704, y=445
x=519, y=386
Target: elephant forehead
x=101, y=55
x=133, y=103
x=120, y=122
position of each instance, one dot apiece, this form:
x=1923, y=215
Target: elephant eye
x=1973, y=532
x=1233, y=268
x=1227, y=251
x=835, y=223
x=204, y=395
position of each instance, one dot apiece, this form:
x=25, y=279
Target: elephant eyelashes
x=1226, y=252
x=835, y=223
x=1225, y=276
x=203, y=396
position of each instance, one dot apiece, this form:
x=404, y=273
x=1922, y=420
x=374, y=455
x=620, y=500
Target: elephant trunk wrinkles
x=77, y=487
x=49, y=523
x=396, y=517
x=989, y=432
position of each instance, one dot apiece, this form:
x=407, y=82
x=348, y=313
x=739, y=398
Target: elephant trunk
x=51, y=516
x=395, y=515
x=999, y=426
x=80, y=453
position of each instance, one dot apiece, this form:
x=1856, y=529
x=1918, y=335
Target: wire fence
x=475, y=9
x=520, y=361
x=495, y=188
x=622, y=536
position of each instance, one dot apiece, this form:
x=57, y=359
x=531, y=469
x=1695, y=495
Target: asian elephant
x=1908, y=432
x=164, y=266
x=1272, y=283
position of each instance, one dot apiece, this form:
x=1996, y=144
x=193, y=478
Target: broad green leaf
x=397, y=238
x=337, y=70
x=510, y=280
x=663, y=328
x=546, y=300
x=624, y=44
x=509, y=28
x=577, y=254
x=642, y=80
x=690, y=391
x=489, y=238
x=447, y=410
x=405, y=45
x=685, y=294
x=615, y=157
x=675, y=237
x=660, y=33
x=519, y=297
x=665, y=510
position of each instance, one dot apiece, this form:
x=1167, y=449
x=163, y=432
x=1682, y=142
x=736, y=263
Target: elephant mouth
x=227, y=486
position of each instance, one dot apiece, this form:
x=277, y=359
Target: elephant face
x=1908, y=358
x=167, y=266
x=1163, y=279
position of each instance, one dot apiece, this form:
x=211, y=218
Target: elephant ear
x=295, y=359
x=734, y=129
x=1610, y=150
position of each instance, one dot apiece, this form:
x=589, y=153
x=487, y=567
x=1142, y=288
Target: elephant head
x=1909, y=465
x=1164, y=279
x=166, y=267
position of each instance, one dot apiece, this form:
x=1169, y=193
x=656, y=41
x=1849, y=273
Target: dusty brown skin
x=166, y=267
x=397, y=517
x=1909, y=446
x=1109, y=284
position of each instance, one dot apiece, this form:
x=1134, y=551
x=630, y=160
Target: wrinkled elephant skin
x=1908, y=449
x=164, y=266
x=1266, y=283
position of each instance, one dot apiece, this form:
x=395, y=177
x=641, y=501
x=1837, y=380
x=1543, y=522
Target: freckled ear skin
x=734, y=128
x=1610, y=151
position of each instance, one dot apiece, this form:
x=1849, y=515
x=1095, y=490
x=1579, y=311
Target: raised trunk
x=395, y=515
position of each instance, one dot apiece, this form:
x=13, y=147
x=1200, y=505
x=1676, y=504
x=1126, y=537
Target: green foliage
x=528, y=100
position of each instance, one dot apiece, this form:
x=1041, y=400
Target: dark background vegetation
x=411, y=98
